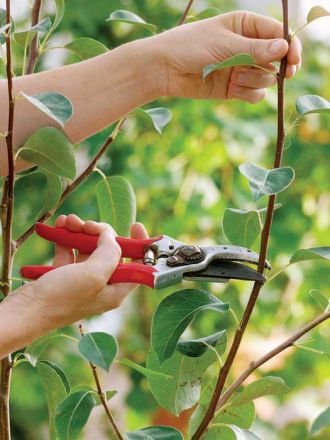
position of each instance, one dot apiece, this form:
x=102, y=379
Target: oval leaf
x=58, y=107
x=241, y=227
x=174, y=314
x=317, y=12
x=24, y=38
x=117, y=204
x=266, y=182
x=241, y=59
x=56, y=387
x=319, y=297
x=131, y=18
x=53, y=193
x=154, y=433
x=99, y=348
x=72, y=414
x=182, y=391
x=262, y=387
x=51, y=150
x=322, y=421
x=312, y=104
x=318, y=253
x=86, y=48
x=197, y=347
x=229, y=432
x=159, y=116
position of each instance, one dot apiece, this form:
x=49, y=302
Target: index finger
x=261, y=26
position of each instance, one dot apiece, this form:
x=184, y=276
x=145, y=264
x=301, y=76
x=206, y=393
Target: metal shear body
x=165, y=261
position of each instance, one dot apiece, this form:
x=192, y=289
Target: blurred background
x=184, y=180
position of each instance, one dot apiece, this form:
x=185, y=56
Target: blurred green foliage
x=184, y=181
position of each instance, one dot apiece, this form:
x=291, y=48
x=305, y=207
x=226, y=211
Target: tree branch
x=34, y=50
x=102, y=395
x=224, y=371
x=7, y=204
x=72, y=186
x=283, y=346
x=185, y=13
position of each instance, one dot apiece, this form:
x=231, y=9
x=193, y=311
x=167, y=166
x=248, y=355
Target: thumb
x=263, y=51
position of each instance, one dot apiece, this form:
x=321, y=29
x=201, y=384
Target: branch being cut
x=223, y=374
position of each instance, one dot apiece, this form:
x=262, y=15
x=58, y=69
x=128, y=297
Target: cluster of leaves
x=180, y=373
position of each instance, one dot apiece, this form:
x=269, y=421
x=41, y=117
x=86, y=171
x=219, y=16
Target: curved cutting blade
x=223, y=271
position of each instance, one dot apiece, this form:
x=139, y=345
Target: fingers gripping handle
x=86, y=243
x=135, y=273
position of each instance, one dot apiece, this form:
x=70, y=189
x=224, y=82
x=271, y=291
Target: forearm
x=101, y=89
x=19, y=324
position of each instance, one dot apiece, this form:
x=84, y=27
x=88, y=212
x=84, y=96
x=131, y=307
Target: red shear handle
x=86, y=243
x=125, y=273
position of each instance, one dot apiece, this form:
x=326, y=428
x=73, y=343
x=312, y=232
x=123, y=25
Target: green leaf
x=51, y=150
x=266, y=182
x=322, y=300
x=4, y=26
x=321, y=422
x=24, y=38
x=143, y=370
x=241, y=227
x=241, y=59
x=72, y=414
x=154, y=433
x=229, y=432
x=86, y=48
x=56, y=387
x=197, y=347
x=53, y=193
x=159, y=116
x=108, y=396
x=34, y=350
x=99, y=348
x=206, y=13
x=58, y=107
x=242, y=415
x=60, y=8
x=262, y=387
x=318, y=253
x=317, y=12
x=175, y=313
x=312, y=104
x=131, y=18
x=183, y=390
x=117, y=204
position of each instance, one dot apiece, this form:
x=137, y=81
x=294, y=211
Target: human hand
x=187, y=49
x=78, y=288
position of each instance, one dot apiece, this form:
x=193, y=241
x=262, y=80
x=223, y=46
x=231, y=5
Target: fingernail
x=276, y=47
x=241, y=78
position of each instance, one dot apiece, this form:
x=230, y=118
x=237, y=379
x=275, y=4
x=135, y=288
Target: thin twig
x=7, y=204
x=223, y=373
x=101, y=394
x=283, y=346
x=185, y=13
x=33, y=50
x=72, y=186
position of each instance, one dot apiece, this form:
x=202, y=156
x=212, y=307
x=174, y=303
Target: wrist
x=151, y=69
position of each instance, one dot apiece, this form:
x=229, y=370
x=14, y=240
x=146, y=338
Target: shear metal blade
x=223, y=271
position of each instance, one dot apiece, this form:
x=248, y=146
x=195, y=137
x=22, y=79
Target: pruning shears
x=164, y=260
